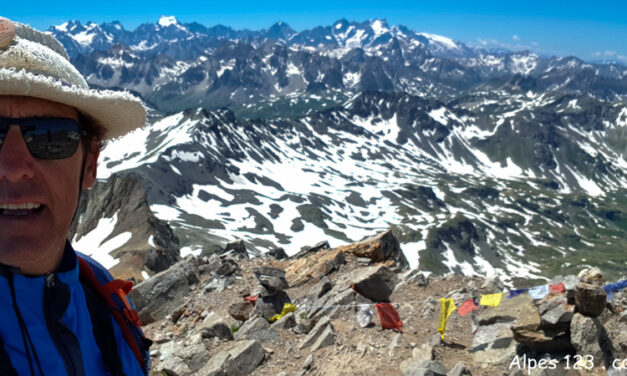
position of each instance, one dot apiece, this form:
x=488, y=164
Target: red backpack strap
x=120, y=288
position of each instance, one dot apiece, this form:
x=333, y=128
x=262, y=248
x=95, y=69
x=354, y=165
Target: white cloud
x=515, y=37
x=611, y=55
x=493, y=43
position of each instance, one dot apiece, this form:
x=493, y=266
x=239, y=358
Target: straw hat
x=35, y=64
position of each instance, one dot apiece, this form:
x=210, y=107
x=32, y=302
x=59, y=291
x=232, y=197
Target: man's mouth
x=20, y=209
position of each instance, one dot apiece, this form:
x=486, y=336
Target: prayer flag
x=539, y=292
x=389, y=316
x=611, y=288
x=491, y=299
x=558, y=288
x=251, y=298
x=467, y=307
x=287, y=307
x=447, y=307
x=515, y=293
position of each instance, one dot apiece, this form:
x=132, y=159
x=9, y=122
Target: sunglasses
x=45, y=137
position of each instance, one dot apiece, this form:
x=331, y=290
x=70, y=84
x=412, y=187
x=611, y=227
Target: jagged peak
x=165, y=21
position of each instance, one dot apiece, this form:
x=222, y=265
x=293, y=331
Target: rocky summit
x=206, y=321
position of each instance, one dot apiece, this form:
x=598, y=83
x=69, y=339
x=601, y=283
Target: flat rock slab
x=494, y=341
x=315, y=333
x=257, y=329
x=242, y=359
x=381, y=247
x=326, y=338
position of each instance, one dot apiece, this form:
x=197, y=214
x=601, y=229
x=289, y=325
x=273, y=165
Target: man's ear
x=91, y=165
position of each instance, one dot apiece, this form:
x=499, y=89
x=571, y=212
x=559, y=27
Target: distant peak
x=280, y=25
x=166, y=21
x=67, y=26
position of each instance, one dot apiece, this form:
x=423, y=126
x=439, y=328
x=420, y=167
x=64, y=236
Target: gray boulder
x=219, y=330
x=555, y=310
x=585, y=335
x=268, y=306
x=426, y=368
x=241, y=311
x=163, y=293
x=257, y=329
x=321, y=287
x=315, y=333
x=538, y=334
x=326, y=338
x=375, y=283
x=286, y=322
x=241, y=360
x=590, y=299
x=272, y=279
x=419, y=356
x=183, y=358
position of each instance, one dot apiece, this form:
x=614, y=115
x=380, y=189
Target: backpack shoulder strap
x=6, y=368
x=113, y=294
x=103, y=331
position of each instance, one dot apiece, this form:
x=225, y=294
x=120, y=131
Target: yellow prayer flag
x=447, y=307
x=287, y=307
x=491, y=299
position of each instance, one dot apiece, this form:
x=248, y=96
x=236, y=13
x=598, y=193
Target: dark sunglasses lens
x=51, y=138
x=4, y=129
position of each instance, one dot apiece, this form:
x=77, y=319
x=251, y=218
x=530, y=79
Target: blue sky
x=591, y=30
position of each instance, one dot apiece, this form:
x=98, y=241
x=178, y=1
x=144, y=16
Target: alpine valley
x=481, y=161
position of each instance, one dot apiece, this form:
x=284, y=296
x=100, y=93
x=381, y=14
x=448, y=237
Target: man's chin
x=31, y=256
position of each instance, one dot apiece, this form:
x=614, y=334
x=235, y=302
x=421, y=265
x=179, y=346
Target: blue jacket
x=58, y=322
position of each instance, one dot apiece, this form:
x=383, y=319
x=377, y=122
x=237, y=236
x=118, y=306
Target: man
x=55, y=318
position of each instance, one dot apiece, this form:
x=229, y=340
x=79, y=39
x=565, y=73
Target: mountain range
x=481, y=161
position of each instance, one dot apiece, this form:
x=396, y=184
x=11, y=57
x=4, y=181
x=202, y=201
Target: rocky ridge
x=215, y=315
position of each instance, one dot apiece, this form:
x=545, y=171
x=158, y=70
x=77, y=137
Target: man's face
x=34, y=239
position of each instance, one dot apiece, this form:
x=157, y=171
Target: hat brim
x=119, y=112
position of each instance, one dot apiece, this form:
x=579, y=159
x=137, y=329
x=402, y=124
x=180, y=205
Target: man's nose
x=16, y=163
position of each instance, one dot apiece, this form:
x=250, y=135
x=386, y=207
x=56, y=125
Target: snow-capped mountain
x=481, y=162
x=177, y=66
x=467, y=190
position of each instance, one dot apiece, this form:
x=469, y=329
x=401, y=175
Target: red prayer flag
x=558, y=288
x=389, y=316
x=251, y=298
x=467, y=307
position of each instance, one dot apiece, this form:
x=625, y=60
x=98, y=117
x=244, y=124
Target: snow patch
x=166, y=21
x=93, y=244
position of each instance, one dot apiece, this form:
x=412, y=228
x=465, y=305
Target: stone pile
x=270, y=291
x=576, y=322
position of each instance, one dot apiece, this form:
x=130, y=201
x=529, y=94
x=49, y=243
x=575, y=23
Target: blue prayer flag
x=514, y=293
